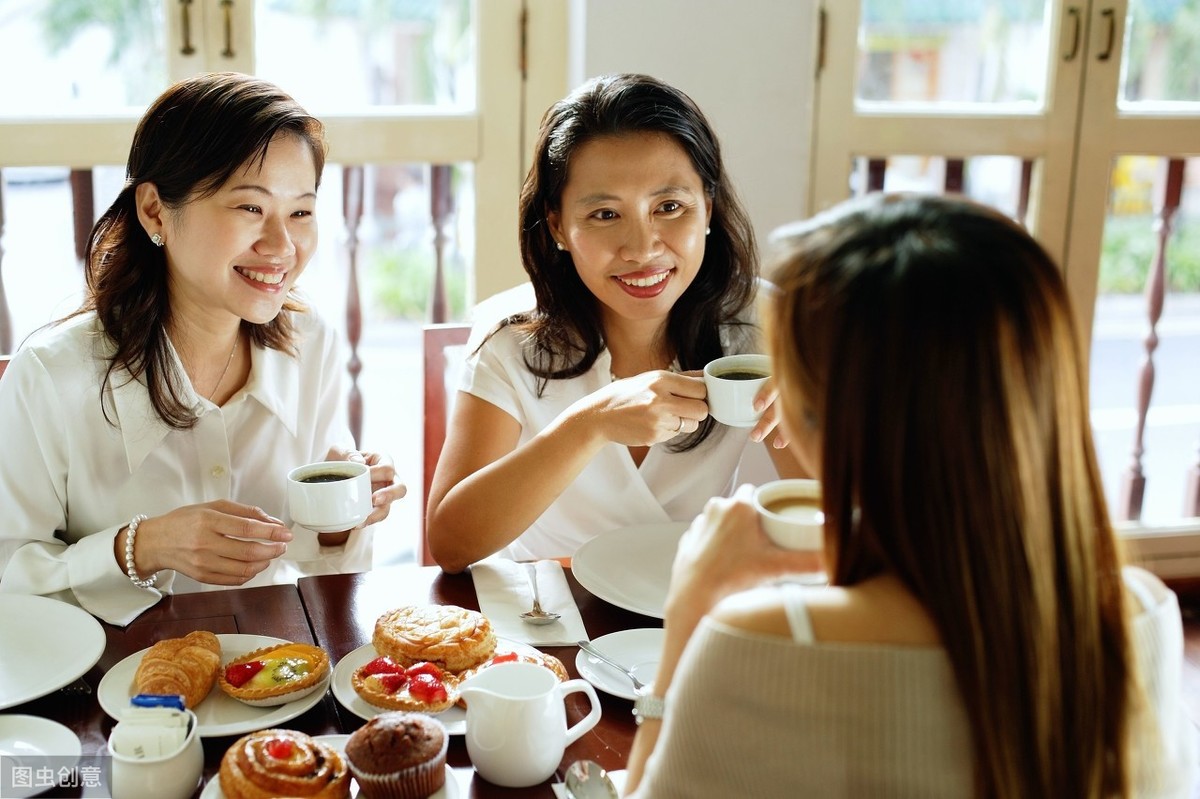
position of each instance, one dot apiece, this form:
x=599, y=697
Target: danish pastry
x=271, y=763
x=422, y=687
x=505, y=655
x=452, y=637
x=185, y=666
x=275, y=674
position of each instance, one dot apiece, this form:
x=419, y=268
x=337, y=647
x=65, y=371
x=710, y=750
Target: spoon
x=586, y=779
x=536, y=615
x=586, y=646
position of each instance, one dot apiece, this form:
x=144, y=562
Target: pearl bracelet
x=130, y=569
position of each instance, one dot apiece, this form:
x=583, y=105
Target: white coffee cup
x=517, y=722
x=790, y=512
x=172, y=774
x=330, y=496
x=732, y=388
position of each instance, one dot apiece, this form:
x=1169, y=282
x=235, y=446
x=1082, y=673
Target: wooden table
x=336, y=612
x=342, y=609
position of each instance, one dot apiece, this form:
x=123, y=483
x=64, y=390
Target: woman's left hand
x=385, y=488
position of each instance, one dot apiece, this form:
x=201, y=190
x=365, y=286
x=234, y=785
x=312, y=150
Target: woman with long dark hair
x=587, y=413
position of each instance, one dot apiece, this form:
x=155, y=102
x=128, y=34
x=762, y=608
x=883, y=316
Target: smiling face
x=237, y=254
x=633, y=214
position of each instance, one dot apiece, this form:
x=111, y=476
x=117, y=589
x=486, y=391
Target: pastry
x=423, y=687
x=398, y=756
x=505, y=655
x=452, y=637
x=271, y=763
x=275, y=674
x=185, y=666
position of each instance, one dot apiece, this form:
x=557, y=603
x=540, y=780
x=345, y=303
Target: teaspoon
x=536, y=615
x=587, y=779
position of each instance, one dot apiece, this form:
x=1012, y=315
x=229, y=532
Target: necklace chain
x=237, y=340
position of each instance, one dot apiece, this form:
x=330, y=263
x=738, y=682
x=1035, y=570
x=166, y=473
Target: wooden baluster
x=876, y=169
x=6, y=330
x=955, y=167
x=1023, y=191
x=1133, y=483
x=1191, y=495
x=352, y=209
x=83, y=209
x=441, y=203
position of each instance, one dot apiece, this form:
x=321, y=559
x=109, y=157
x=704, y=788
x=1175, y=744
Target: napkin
x=617, y=777
x=504, y=594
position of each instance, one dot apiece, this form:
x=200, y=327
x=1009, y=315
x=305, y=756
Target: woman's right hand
x=649, y=408
x=220, y=542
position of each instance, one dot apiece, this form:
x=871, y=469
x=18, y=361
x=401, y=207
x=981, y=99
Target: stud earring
x=707, y=230
x=560, y=246
x=157, y=239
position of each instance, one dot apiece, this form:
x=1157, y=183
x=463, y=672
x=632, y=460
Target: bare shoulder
x=879, y=611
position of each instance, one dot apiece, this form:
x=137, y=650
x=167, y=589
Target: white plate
x=449, y=791
x=25, y=740
x=630, y=567
x=454, y=718
x=48, y=643
x=218, y=714
x=640, y=650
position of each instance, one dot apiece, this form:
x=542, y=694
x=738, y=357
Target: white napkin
x=617, y=777
x=504, y=594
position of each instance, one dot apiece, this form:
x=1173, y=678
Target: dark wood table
x=342, y=609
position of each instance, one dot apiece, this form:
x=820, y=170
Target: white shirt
x=70, y=479
x=612, y=492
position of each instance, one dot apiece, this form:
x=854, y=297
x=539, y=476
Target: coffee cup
x=331, y=496
x=790, y=513
x=732, y=383
x=156, y=755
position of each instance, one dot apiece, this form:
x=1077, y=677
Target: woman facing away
x=979, y=635
x=149, y=434
x=588, y=412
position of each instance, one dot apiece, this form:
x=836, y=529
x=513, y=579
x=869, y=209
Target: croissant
x=186, y=666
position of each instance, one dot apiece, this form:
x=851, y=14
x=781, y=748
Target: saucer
x=639, y=649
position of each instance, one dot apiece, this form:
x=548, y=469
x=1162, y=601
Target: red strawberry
x=383, y=665
x=508, y=657
x=238, y=674
x=279, y=748
x=393, y=682
x=427, y=688
x=424, y=667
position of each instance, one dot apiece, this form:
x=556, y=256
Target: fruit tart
x=272, y=763
x=424, y=687
x=275, y=675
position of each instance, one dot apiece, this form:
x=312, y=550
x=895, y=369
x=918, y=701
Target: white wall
x=748, y=64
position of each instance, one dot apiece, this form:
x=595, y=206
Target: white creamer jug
x=517, y=722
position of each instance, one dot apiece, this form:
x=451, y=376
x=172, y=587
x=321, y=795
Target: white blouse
x=612, y=492
x=70, y=479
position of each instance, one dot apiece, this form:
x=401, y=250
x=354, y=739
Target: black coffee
x=326, y=477
x=740, y=374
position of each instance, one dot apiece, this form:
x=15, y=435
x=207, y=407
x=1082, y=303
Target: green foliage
x=1128, y=253
x=400, y=282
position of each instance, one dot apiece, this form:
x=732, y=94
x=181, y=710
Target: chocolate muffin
x=398, y=755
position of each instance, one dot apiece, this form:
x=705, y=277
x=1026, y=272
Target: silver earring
x=560, y=246
x=157, y=239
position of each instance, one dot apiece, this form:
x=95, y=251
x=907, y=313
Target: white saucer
x=48, y=643
x=639, y=649
x=212, y=790
x=630, y=567
x=219, y=714
x=28, y=740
